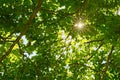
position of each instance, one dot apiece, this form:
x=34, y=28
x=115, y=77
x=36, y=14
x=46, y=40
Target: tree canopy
x=59, y=39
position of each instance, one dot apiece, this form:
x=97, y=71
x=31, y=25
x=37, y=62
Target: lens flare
x=79, y=25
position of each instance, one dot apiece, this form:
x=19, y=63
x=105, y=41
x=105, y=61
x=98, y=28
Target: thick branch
x=24, y=31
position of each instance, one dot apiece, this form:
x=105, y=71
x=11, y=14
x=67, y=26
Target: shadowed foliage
x=59, y=39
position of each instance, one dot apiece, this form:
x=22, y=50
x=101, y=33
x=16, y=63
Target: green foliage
x=66, y=40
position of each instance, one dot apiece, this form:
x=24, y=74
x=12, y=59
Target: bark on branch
x=107, y=63
x=24, y=30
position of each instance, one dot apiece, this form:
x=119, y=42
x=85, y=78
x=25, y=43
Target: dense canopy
x=59, y=39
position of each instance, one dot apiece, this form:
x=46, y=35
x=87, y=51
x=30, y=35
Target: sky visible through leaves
x=59, y=40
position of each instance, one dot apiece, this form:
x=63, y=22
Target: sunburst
x=79, y=25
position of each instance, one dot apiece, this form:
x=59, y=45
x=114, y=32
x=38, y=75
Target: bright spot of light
x=66, y=66
x=61, y=8
x=33, y=54
x=103, y=62
x=25, y=41
x=119, y=12
x=79, y=25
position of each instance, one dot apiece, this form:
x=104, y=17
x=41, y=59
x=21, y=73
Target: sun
x=79, y=25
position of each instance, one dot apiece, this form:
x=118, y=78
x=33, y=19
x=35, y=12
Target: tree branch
x=24, y=30
x=83, y=6
x=96, y=51
x=57, y=12
x=107, y=63
x=2, y=38
x=94, y=41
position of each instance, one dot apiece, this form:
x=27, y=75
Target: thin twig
x=27, y=58
x=10, y=34
x=84, y=6
x=96, y=51
x=2, y=38
x=94, y=41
